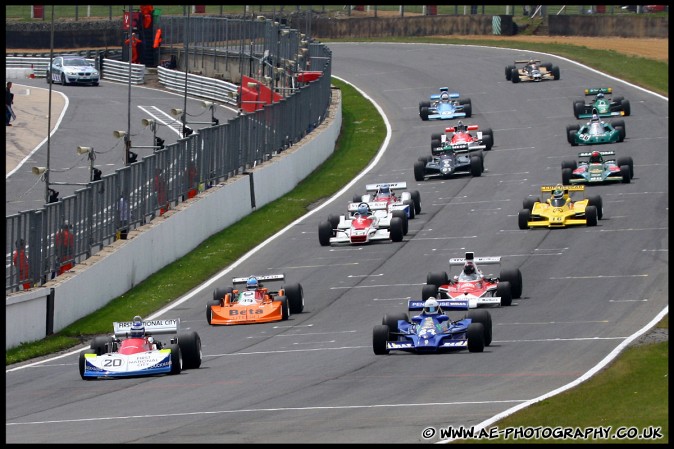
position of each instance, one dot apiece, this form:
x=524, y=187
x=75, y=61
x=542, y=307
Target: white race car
x=365, y=223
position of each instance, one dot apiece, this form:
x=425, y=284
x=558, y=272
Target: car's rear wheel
x=391, y=321
x=102, y=345
x=626, y=107
x=475, y=336
x=419, y=170
x=429, y=291
x=379, y=338
x=567, y=173
x=468, y=108
x=483, y=317
x=578, y=108
x=476, y=167
x=295, y=295
x=625, y=173
x=523, y=218
x=416, y=197
x=413, y=210
x=591, y=215
x=396, y=229
x=570, y=164
x=403, y=217
x=190, y=348
x=325, y=231
x=437, y=279
x=528, y=203
x=629, y=162
x=598, y=203
x=504, y=291
x=514, y=277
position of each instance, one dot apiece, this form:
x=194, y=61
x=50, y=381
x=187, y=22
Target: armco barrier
x=119, y=267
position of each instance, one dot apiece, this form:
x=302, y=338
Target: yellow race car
x=560, y=210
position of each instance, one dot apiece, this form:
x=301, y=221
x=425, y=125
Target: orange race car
x=255, y=303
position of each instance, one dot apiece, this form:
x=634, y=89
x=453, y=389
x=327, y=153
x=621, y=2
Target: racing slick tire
x=620, y=126
x=424, y=104
x=419, y=170
x=334, y=219
x=285, y=307
x=489, y=142
x=509, y=71
x=423, y=113
x=578, y=108
x=626, y=107
x=598, y=203
x=219, y=294
x=483, y=317
x=547, y=66
x=176, y=359
x=391, y=321
x=569, y=164
x=413, y=213
x=209, y=310
x=475, y=337
x=515, y=76
x=295, y=295
x=567, y=173
x=379, y=338
x=555, y=72
x=436, y=136
x=425, y=159
x=396, y=229
x=627, y=161
x=625, y=172
x=357, y=197
x=476, y=167
x=325, y=231
x=437, y=279
x=591, y=215
x=468, y=108
x=102, y=344
x=514, y=277
x=571, y=131
x=528, y=203
x=428, y=291
x=190, y=348
x=436, y=143
x=416, y=197
x=504, y=291
x=523, y=218
x=82, y=363
x=403, y=217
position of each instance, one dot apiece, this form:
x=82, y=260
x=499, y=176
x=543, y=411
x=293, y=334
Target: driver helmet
x=137, y=328
x=363, y=209
x=432, y=307
x=469, y=269
x=558, y=193
x=251, y=283
x=444, y=96
x=596, y=157
x=600, y=96
x=385, y=190
x=460, y=126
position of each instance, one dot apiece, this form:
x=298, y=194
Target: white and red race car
x=479, y=289
x=366, y=222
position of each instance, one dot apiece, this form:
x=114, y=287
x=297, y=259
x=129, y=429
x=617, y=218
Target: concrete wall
x=641, y=26
x=125, y=263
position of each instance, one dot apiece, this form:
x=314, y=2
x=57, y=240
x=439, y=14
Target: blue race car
x=432, y=331
x=444, y=106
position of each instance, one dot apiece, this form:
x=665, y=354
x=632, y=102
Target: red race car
x=473, y=285
x=459, y=137
x=255, y=303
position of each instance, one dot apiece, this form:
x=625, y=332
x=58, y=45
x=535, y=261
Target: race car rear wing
x=573, y=188
x=152, y=327
x=452, y=95
x=527, y=61
x=589, y=153
x=392, y=185
x=598, y=90
x=445, y=304
x=374, y=205
x=470, y=256
x=451, y=129
x=268, y=277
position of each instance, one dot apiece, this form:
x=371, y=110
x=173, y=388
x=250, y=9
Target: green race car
x=605, y=107
x=596, y=132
